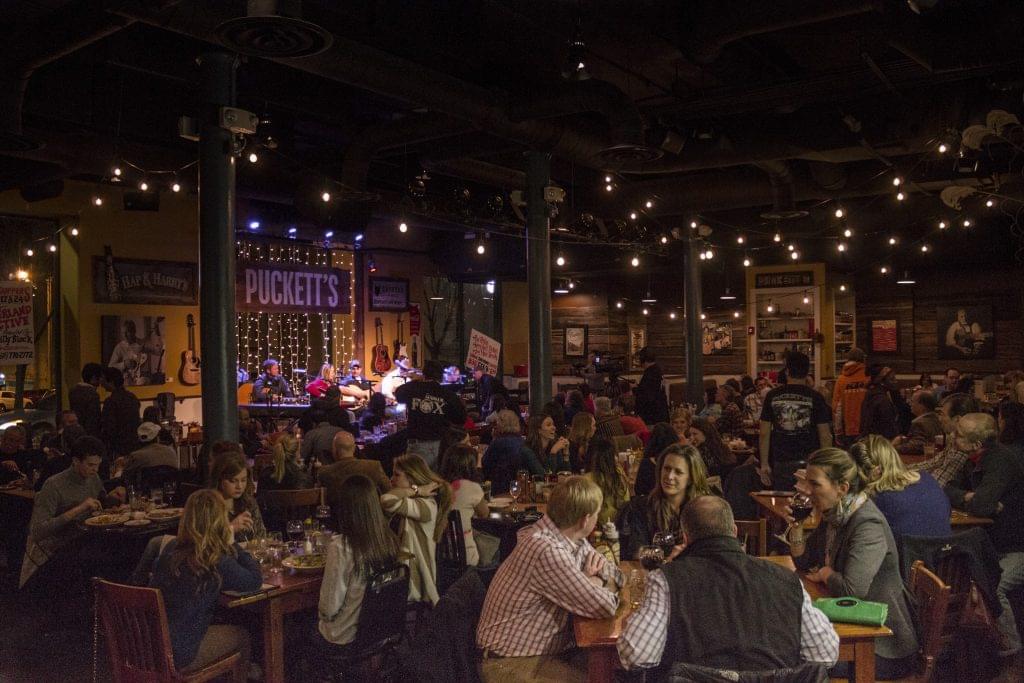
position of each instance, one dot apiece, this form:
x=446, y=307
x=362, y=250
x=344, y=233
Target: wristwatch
x=415, y=490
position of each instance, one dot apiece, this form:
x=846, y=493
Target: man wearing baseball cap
x=152, y=453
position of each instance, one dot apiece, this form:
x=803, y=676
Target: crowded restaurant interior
x=511, y=340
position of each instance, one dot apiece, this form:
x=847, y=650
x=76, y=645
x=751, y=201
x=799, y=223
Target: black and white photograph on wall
x=575, y=341
x=965, y=332
x=135, y=345
x=716, y=338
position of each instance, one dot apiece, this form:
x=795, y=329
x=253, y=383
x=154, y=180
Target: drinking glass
x=323, y=515
x=666, y=540
x=800, y=509
x=274, y=539
x=636, y=589
x=156, y=496
x=274, y=556
x=513, y=489
x=169, y=490
x=651, y=557
x=295, y=532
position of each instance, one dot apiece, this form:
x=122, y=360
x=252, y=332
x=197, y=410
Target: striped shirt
x=642, y=642
x=526, y=612
x=948, y=466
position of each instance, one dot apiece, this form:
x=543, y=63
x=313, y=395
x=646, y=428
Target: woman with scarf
x=853, y=553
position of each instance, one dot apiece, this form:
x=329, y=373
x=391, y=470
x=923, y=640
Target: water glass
x=170, y=489
x=636, y=589
x=274, y=556
x=156, y=496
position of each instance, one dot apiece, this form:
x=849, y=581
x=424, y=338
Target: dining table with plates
x=599, y=637
x=772, y=505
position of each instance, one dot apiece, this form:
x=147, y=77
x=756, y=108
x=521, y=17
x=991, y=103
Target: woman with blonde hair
x=680, y=421
x=286, y=474
x=681, y=477
x=191, y=573
x=420, y=499
x=913, y=502
x=229, y=476
x=581, y=432
x=853, y=553
x=327, y=378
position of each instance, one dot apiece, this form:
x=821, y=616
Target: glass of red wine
x=800, y=508
x=651, y=557
x=665, y=540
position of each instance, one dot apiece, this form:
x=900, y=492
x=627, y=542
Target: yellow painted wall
x=515, y=325
x=170, y=234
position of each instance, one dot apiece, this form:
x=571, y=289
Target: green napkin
x=853, y=611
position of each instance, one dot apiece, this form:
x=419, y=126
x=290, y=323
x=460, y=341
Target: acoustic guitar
x=190, y=373
x=381, y=361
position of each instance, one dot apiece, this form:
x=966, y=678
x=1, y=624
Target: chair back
x=279, y=506
x=937, y=628
x=627, y=442
x=452, y=548
x=753, y=536
x=135, y=625
x=382, y=614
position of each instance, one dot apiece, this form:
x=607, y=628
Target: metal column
x=218, y=345
x=538, y=275
x=691, y=308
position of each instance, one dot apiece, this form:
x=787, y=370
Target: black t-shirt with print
x=794, y=411
x=431, y=408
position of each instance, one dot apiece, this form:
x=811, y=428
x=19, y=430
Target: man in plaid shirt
x=524, y=629
x=949, y=466
x=716, y=606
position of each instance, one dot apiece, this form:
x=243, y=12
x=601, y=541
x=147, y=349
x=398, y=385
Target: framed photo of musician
x=716, y=338
x=575, y=341
x=637, y=341
x=965, y=332
x=135, y=345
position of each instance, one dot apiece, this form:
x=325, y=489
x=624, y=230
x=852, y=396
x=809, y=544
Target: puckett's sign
x=277, y=287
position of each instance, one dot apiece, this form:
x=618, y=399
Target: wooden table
x=505, y=528
x=24, y=494
x=774, y=506
x=290, y=593
x=856, y=642
x=599, y=637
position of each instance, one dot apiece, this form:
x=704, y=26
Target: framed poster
x=135, y=345
x=139, y=281
x=389, y=294
x=885, y=337
x=575, y=341
x=637, y=341
x=716, y=338
x=965, y=332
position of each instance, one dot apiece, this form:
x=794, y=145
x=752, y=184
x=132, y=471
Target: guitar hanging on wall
x=399, y=345
x=381, y=361
x=190, y=374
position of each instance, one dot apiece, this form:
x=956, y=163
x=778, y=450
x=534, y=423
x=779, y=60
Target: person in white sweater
x=364, y=545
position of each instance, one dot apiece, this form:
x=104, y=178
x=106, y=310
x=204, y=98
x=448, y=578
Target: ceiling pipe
x=355, y=64
x=781, y=180
x=480, y=172
x=728, y=21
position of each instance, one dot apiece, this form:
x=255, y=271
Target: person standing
x=84, y=399
x=651, y=402
x=486, y=387
x=119, y=420
x=848, y=396
x=431, y=409
x=878, y=413
x=794, y=423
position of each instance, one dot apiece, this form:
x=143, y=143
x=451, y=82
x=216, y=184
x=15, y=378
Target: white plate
x=138, y=522
x=499, y=502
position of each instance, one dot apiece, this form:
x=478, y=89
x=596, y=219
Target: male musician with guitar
x=270, y=385
x=354, y=384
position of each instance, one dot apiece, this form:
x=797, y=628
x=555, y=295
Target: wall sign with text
x=281, y=288
x=17, y=339
x=389, y=294
x=796, y=278
x=138, y=281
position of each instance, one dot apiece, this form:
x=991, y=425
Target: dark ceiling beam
x=479, y=172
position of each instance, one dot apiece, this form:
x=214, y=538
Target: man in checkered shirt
x=718, y=607
x=524, y=629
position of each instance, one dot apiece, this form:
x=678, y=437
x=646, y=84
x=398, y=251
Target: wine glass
x=295, y=532
x=514, y=490
x=651, y=557
x=800, y=508
x=665, y=540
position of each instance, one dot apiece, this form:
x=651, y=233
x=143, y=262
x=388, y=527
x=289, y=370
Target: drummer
x=396, y=377
x=453, y=375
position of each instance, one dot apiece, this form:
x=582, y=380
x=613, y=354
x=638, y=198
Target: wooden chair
x=955, y=573
x=937, y=628
x=139, y=641
x=753, y=535
x=245, y=393
x=279, y=506
x=451, y=552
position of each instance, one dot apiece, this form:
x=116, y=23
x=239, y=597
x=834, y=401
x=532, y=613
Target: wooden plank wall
x=574, y=310
x=914, y=309
x=666, y=338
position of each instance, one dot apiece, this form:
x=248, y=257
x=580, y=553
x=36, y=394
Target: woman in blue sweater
x=913, y=502
x=191, y=573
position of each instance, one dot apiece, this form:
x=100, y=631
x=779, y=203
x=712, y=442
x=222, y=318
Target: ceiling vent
x=274, y=29
x=628, y=154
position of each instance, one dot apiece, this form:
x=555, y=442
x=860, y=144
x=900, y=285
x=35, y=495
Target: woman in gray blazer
x=854, y=554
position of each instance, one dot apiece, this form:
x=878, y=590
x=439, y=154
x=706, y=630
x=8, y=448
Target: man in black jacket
x=431, y=409
x=877, y=412
x=85, y=400
x=120, y=419
x=997, y=491
x=764, y=618
x=651, y=402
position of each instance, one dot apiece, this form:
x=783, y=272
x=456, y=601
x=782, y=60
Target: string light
x=777, y=238
x=709, y=254
x=618, y=304
x=807, y=299
x=791, y=247
x=664, y=239
x=703, y=316
x=176, y=187
x=29, y=252
x=924, y=248
x=739, y=239
x=649, y=204
x=74, y=232
x=672, y=315
x=646, y=312
x=794, y=255
x=735, y=314
x=989, y=203
x=97, y=201
x=703, y=256
x=892, y=241
x=900, y=196
x=942, y=225
x=635, y=262
x=560, y=261
x=847, y=233
x=607, y=178
x=842, y=288
x=770, y=308
x=839, y=212
x=326, y=196
x=144, y=186
x=884, y=270
x=943, y=148
x=608, y=187
x=746, y=263
x=897, y=181
x=403, y=227
x=841, y=246
x=632, y=215
x=253, y=158
x=693, y=224
x=52, y=248
x=967, y=222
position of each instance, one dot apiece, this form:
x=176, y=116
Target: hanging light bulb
x=403, y=227
x=842, y=288
x=740, y=240
x=646, y=312
x=693, y=224
x=735, y=314
x=892, y=241
x=709, y=254
x=703, y=316
x=989, y=203
x=572, y=285
x=635, y=261
x=649, y=204
x=672, y=315
x=480, y=248
x=97, y=201
x=942, y=225
x=897, y=181
x=144, y=186
x=74, y=232
x=841, y=246
x=326, y=196
x=770, y=308
x=839, y=212
x=900, y=196
x=253, y=158
x=560, y=261
x=777, y=238
x=746, y=263
x=884, y=270
x=794, y=255
x=924, y=248
x=117, y=171
x=791, y=247
x=847, y=233
x=607, y=178
x=632, y=215
x=664, y=239
x=943, y=148
x=176, y=187
x=52, y=248
x=618, y=304
x=967, y=222
x=703, y=256
x=30, y=252
x=807, y=299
